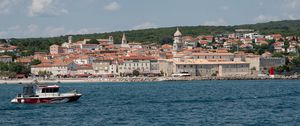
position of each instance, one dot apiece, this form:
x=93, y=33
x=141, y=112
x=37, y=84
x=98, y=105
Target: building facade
x=204, y=68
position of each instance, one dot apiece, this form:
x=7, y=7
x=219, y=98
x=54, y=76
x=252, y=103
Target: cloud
x=3, y=34
x=145, y=25
x=32, y=28
x=219, y=22
x=113, y=6
x=291, y=4
x=11, y=31
x=265, y=18
x=46, y=8
x=80, y=31
x=7, y=5
x=224, y=8
x=292, y=17
x=55, y=31
x=14, y=28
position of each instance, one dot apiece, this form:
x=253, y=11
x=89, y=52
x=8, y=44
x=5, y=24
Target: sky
x=48, y=18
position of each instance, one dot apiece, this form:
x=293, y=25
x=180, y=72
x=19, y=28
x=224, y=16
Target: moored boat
x=36, y=93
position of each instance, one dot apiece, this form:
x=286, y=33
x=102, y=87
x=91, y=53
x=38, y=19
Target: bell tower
x=177, y=44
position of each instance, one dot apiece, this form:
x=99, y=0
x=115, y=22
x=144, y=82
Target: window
x=50, y=90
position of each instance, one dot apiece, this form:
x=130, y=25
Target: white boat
x=35, y=93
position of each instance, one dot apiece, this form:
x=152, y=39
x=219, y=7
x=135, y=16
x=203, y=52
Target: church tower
x=124, y=41
x=110, y=40
x=69, y=39
x=177, y=44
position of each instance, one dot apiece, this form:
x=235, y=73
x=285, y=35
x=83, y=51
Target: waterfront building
x=268, y=62
x=105, y=67
x=58, y=68
x=254, y=62
x=83, y=70
x=144, y=64
x=203, y=68
x=224, y=56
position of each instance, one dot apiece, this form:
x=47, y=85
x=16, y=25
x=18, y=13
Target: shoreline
x=142, y=79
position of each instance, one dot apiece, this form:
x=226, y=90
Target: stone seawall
x=142, y=79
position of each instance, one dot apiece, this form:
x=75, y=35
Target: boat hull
x=34, y=100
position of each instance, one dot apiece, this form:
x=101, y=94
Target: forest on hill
x=160, y=35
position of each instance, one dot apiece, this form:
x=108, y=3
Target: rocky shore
x=143, y=79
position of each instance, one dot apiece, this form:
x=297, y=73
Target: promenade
x=142, y=79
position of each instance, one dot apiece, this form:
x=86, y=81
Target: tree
x=92, y=41
x=253, y=68
x=166, y=40
x=296, y=61
x=260, y=51
x=198, y=44
x=264, y=46
x=277, y=54
x=234, y=48
x=12, y=74
x=42, y=73
x=35, y=62
x=135, y=73
x=271, y=49
x=213, y=40
x=45, y=73
x=3, y=41
x=271, y=41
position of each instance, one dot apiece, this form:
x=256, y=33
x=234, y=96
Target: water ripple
x=164, y=103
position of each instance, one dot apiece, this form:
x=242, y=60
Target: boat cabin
x=28, y=91
x=46, y=90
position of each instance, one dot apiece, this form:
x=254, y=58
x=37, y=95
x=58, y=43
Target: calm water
x=163, y=103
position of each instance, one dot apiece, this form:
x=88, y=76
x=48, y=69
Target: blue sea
x=230, y=102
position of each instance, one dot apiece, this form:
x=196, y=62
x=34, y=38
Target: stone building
x=56, y=49
x=6, y=59
x=204, y=68
x=145, y=65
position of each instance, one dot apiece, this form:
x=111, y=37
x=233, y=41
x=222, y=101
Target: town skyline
x=48, y=18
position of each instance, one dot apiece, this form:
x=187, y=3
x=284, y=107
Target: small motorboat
x=36, y=93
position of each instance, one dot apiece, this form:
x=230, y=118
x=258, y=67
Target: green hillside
x=157, y=35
